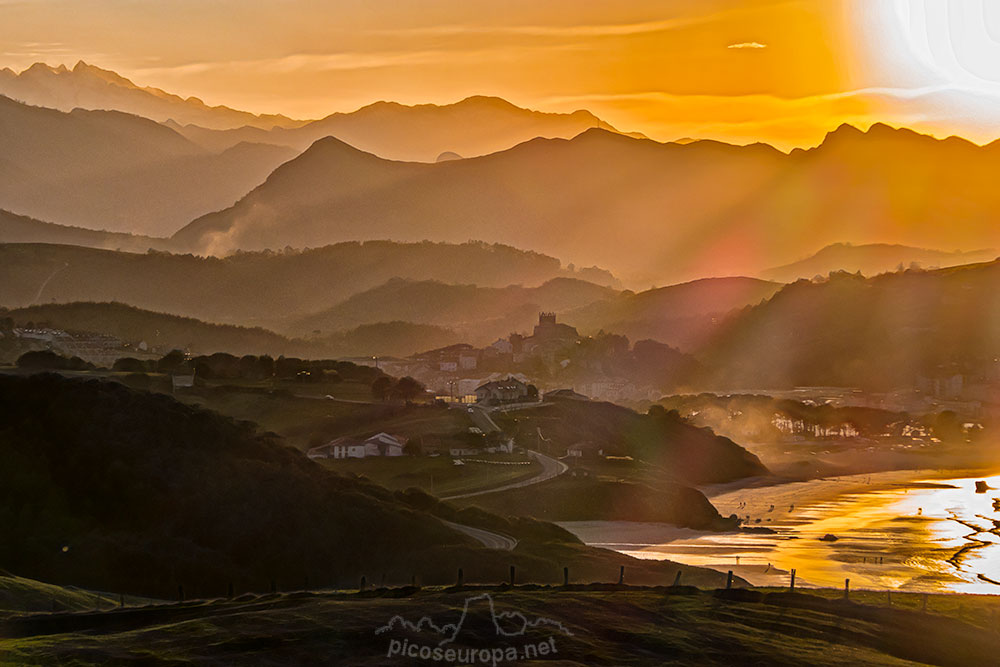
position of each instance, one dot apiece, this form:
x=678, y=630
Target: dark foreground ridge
x=597, y=624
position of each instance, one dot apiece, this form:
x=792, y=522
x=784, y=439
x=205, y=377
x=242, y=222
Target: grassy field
x=20, y=595
x=439, y=475
x=307, y=421
x=600, y=625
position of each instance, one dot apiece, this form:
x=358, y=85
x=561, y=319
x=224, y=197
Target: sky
x=780, y=71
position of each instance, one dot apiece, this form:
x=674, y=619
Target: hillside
x=661, y=439
x=681, y=315
x=165, y=332
x=89, y=87
x=260, y=289
x=110, y=170
x=873, y=259
x=422, y=133
x=158, y=330
x=608, y=625
x=879, y=332
x=86, y=450
x=660, y=213
x=135, y=492
x=479, y=313
x=22, y=229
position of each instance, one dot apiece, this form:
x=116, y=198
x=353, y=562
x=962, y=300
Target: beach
x=922, y=530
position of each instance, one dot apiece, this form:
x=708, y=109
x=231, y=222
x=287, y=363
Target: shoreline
x=849, y=507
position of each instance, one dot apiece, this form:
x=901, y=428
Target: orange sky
x=782, y=71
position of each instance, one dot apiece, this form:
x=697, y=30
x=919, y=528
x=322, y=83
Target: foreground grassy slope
x=608, y=625
x=112, y=489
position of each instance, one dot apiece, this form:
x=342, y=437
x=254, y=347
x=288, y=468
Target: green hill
x=681, y=315
x=879, y=332
x=111, y=489
x=267, y=288
x=22, y=229
x=478, y=312
x=660, y=438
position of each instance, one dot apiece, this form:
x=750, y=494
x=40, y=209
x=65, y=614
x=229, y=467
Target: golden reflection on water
x=910, y=537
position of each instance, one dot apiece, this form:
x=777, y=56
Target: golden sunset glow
x=760, y=70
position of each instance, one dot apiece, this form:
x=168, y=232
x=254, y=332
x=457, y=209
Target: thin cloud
x=747, y=45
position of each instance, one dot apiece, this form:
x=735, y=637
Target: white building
x=380, y=444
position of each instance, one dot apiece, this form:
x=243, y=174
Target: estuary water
x=907, y=531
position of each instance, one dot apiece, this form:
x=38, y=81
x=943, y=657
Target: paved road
x=550, y=468
x=489, y=539
x=479, y=416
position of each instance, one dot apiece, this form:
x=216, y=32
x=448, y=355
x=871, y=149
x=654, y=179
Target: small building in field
x=339, y=448
x=380, y=444
x=385, y=444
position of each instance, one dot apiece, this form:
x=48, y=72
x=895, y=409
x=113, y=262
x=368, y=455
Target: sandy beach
x=906, y=529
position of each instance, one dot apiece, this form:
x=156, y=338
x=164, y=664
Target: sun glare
x=954, y=44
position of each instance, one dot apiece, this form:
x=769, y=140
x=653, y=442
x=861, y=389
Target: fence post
x=511, y=575
x=677, y=579
x=888, y=597
x=791, y=587
x=565, y=576
x=621, y=575
x=364, y=582
x=923, y=607
x=461, y=577
x=847, y=589
x=121, y=599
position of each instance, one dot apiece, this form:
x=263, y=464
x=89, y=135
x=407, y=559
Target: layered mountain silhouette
x=22, y=229
x=422, y=133
x=89, y=87
x=119, y=172
x=872, y=259
x=481, y=313
x=658, y=212
x=683, y=315
x=268, y=289
x=880, y=332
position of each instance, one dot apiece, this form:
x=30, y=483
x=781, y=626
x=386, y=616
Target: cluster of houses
x=98, y=349
x=390, y=445
x=497, y=373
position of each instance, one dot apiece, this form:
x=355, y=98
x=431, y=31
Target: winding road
x=488, y=539
x=550, y=468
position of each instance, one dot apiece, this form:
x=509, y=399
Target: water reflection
x=929, y=535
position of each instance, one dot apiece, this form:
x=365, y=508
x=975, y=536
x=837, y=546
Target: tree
x=129, y=365
x=381, y=387
x=171, y=362
x=408, y=389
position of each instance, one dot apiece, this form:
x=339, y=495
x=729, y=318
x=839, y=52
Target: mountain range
x=262, y=289
x=683, y=315
x=661, y=213
x=22, y=229
x=118, y=172
x=481, y=314
x=873, y=259
x=89, y=87
x=474, y=126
